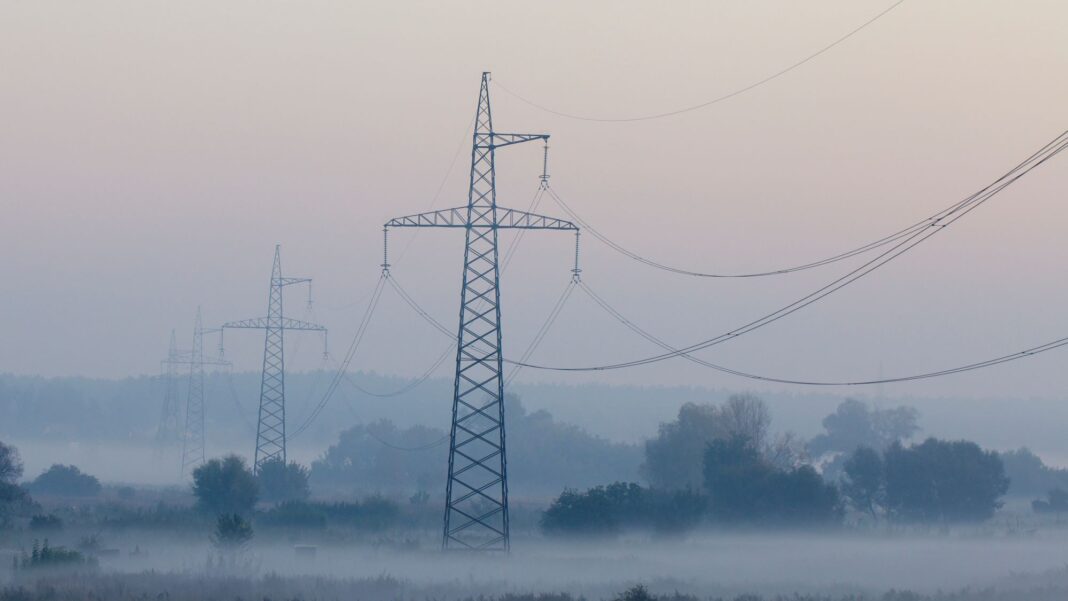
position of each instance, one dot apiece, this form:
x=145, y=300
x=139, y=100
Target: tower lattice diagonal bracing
x=271, y=425
x=476, y=505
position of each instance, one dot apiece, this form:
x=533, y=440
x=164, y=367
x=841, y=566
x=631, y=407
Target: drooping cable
x=349, y=354
x=920, y=376
x=884, y=241
x=715, y=100
x=909, y=242
x=543, y=330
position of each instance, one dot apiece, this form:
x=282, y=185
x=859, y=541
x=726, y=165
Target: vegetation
x=544, y=456
x=745, y=488
x=46, y=522
x=225, y=486
x=674, y=459
x=1056, y=501
x=281, y=481
x=936, y=481
x=231, y=532
x=14, y=500
x=46, y=556
x=607, y=510
x=372, y=514
x=1029, y=476
x=65, y=481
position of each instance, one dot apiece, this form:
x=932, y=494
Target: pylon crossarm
x=497, y=140
x=262, y=323
x=506, y=219
x=291, y=281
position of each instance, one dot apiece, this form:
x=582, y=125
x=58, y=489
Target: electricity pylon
x=271, y=426
x=170, y=415
x=193, y=435
x=476, y=494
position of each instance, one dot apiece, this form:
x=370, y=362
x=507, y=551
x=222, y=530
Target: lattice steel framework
x=170, y=416
x=193, y=432
x=271, y=426
x=476, y=505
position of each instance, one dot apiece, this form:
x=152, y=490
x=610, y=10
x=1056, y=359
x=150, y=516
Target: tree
x=745, y=488
x=606, y=510
x=943, y=481
x=280, y=481
x=1028, y=475
x=225, y=486
x=65, y=481
x=580, y=514
x=854, y=424
x=862, y=483
x=10, y=464
x=1056, y=501
x=232, y=532
x=673, y=460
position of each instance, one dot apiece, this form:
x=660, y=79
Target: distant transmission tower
x=193, y=437
x=170, y=416
x=271, y=427
x=476, y=506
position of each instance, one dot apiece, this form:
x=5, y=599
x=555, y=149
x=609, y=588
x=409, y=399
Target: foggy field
x=704, y=565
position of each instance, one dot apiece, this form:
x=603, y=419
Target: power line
x=706, y=103
x=884, y=241
x=909, y=242
x=1035, y=350
x=349, y=354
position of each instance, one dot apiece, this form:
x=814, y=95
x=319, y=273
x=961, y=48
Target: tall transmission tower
x=271, y=427
x=193, y=436
x=170, y=416
x=476, y=494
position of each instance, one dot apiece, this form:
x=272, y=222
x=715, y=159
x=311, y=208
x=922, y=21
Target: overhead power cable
x=706, y=103
x=349, y=354
x=1035, y=350
x=907, y=243
x=884, y=241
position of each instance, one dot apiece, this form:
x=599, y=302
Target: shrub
x=65, y=481
x=225, y=486
x=45, y=556
x=232, y=532
x=281, y=481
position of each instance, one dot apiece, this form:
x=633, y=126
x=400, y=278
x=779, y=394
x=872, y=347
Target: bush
x=606, y=510
x=65, y=481
x=225, y=486
x=281, y=481
x=232, y=532
x=45, y=556
x=745, y=488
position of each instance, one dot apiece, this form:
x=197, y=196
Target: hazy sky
x=152, y=154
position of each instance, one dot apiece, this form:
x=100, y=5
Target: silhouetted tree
x=854, y=424
x=863, y=481
x=1056, y=501
x=745, y=488
x=65, y=481
x=943, y=481
x=231, y=532
x=1028, y=475
x=606, y=510
x=674, y=458
x=10, y=464
x=280, y=481
x=225, y=486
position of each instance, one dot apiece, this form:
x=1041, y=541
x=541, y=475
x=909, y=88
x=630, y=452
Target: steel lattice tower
x=170, y=415
x=271, y=426
x=193, y=441
x=476, y=505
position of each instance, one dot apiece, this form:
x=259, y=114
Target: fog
x=153, y=156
